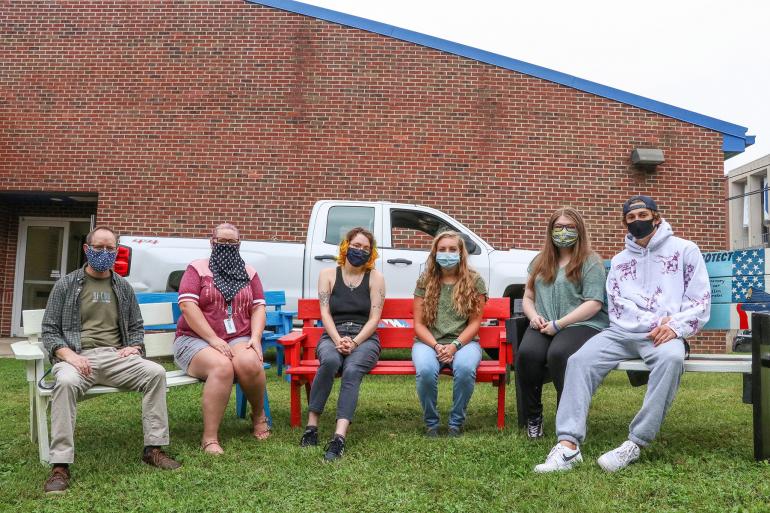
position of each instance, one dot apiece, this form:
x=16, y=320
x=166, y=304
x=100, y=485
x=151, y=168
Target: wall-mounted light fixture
x=647, y=158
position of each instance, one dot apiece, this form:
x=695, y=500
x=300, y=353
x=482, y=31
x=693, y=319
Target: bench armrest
x=25, y=351
x=293, y=346
x=292, y=338
x=506, y=349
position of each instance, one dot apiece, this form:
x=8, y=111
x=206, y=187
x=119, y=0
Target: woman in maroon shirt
x=219, y=336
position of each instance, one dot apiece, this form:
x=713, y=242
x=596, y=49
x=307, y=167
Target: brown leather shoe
x=58, y=481
x=157, y=458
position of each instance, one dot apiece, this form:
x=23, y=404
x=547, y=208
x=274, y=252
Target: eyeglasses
x=564, y=227
x=108, y=249
x=227, y=242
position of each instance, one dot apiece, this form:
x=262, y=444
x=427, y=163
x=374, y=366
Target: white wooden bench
x=156, y=345
x=726, y=363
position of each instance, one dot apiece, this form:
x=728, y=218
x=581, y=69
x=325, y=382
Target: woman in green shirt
x=564, y=300
x=448, y=303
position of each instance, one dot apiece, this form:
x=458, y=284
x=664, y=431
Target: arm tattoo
x=324, y=296
x=381, y=303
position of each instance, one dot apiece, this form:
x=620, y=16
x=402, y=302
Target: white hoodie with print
x=667, y=278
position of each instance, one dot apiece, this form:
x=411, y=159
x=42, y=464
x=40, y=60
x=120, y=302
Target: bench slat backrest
x=275, y=298
x=156, y=344
x=309, y=311
x=33, y=322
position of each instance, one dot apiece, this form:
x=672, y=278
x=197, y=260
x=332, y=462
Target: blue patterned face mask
x=357, y=257
x=100, y=261
x=447, y=260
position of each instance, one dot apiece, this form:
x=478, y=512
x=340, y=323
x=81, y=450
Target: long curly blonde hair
x=465, y=297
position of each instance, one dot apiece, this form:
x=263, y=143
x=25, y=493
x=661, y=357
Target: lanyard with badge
x=229, y=322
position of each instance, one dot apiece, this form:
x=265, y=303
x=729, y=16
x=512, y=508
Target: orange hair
x=345, y=244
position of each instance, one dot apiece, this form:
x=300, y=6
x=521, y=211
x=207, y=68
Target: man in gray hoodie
x=658, y=294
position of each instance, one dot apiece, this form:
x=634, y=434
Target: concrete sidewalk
x=5, y=346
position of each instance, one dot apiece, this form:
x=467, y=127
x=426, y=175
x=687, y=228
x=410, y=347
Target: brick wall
x=185, y=114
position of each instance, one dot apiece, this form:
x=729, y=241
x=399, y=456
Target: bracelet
x=555, y=326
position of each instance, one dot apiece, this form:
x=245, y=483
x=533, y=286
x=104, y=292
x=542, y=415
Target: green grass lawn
x=702, y=461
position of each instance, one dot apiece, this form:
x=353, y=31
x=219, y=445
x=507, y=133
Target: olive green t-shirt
x=555, y=300
x=449, y=323
x=98, y=314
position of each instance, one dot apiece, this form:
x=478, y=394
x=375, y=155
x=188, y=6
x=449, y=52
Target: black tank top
x=348, y=305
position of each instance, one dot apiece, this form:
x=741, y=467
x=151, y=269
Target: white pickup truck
x=403, y=232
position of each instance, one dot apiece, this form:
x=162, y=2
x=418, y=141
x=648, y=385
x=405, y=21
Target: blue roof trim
x=735, y=138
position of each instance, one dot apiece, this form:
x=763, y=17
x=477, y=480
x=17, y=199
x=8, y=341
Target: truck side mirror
x=470, y=246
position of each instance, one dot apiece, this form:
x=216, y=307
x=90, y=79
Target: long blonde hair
x=545, y=263
x=465, y=297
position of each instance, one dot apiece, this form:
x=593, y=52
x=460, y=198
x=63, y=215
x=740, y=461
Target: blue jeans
x=463, y=367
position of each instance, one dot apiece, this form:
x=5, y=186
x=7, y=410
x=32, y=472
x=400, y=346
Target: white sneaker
x=619, y=458
x=560, y=458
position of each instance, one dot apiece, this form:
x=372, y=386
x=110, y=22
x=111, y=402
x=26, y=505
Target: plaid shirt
x=61, y=322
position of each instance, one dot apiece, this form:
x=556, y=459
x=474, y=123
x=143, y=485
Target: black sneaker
x=535, y=427
x=431, y=432
x=334, y=448
x=454, y=432
x=309, y=437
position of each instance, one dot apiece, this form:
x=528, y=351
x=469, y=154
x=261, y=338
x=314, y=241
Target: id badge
x=229, y=326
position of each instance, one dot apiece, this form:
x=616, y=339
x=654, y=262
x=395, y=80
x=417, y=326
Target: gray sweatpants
x=107, y=368
x=591, y=363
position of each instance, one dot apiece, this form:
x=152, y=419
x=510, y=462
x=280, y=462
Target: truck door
x=408, y=246
x=330, y=221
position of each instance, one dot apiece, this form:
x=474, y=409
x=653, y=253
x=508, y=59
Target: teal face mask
x=447, y=260
x=564, y=238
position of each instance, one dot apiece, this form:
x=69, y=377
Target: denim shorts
x=186, y=347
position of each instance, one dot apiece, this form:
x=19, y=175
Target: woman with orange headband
x=351, y=297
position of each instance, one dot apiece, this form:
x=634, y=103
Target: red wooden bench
x=300, y=349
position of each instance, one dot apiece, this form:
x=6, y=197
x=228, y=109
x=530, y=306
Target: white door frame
x=21, y=254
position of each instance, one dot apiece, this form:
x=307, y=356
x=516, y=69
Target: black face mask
x=641, y=229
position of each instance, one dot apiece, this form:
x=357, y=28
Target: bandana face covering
x=229, y=270
x=100, y=261
x=564, y=238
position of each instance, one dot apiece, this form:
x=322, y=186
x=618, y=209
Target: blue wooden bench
x=278, y=324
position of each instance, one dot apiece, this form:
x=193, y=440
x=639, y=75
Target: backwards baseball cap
x=639, y=202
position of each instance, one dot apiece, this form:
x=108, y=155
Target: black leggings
x=537, y=351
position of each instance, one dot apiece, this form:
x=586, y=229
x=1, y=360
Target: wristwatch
x=458, y=345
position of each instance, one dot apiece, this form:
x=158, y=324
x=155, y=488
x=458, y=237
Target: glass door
x=47, y=250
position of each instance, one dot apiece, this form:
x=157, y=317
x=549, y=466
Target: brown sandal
x=261, y=434
x=216, y=449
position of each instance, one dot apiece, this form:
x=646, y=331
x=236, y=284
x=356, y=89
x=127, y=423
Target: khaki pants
x=107, y=368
